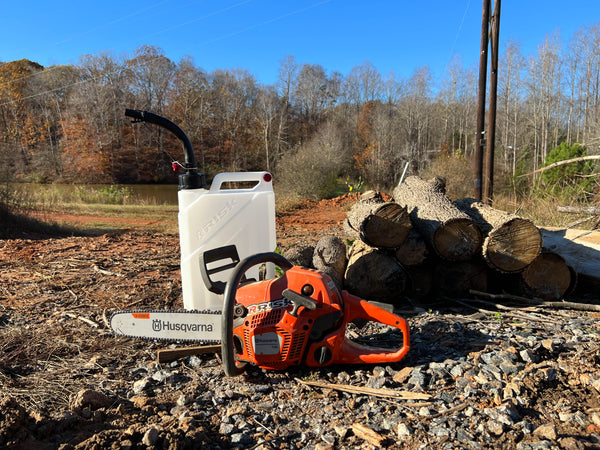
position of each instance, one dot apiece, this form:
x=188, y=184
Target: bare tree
x=414, y=111
x=509, y=94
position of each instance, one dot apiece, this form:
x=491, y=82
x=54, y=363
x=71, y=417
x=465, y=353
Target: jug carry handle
x=351, y=352
x=263, y=181
x=228, y=252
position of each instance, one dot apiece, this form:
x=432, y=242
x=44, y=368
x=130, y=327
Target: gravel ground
x=476, y=376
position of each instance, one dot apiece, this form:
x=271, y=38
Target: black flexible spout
x=191, y=179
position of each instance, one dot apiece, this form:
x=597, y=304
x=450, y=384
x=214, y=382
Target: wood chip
x=367, y=434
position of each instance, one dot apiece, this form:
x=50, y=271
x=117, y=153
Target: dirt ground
x=55, y=296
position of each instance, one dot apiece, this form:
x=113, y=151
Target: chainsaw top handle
x=230, y=365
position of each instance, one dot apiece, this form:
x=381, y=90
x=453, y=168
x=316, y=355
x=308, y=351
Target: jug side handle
x=264, y=180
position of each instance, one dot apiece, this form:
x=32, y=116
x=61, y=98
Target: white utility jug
x=213, y=218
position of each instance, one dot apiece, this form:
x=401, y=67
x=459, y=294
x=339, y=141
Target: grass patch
x=543, y=212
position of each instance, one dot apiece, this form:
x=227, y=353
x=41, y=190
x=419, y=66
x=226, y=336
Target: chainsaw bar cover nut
x=239, y=310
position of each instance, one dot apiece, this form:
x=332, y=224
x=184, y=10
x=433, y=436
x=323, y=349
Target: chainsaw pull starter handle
x=299, y=300
x=230, y=365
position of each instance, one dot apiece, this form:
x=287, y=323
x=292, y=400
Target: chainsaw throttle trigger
x=299, y=300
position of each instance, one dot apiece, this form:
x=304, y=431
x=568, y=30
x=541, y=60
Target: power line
x=456, y=37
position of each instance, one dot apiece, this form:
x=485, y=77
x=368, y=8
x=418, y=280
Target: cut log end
x=388, y=227
x=374, y=274
x=548, y=276
x=513, y=246
x=457, y=240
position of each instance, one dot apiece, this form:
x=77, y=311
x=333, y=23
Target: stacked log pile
x=420, y=245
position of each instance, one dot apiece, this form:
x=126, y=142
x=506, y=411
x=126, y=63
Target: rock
x=140, y=385
x=89, y=398
x=139, y=401
x=150, y=436
x=570, y=443
x=418, y=378
x=241, y=439
x=546, y=431
x=528, y=356
x=184, y=400
x=403, y=430
x=494, y=427
x=161, y=375
x=342, y=431
x=300, y=255
x=542, y=445
x=194, y=361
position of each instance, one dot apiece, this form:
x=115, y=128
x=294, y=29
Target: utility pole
x=488, y=193
x=479, y=138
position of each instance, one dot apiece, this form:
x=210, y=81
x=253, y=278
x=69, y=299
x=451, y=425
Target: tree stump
x=511, y=242
x=374, y=274
x=329, y=257
x=378, y=223
x=548, y=276
x=451, y=233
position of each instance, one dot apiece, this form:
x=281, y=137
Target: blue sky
x=394, y=35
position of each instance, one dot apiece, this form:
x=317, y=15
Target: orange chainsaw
x=299, y=318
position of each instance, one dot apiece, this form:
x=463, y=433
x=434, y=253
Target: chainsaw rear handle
x=346, y=351
x=191, y=179
x=230, y=365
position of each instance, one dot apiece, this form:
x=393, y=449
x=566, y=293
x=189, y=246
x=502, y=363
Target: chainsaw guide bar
x=169, y=325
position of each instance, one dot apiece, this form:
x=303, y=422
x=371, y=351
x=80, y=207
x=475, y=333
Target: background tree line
x=66, y=122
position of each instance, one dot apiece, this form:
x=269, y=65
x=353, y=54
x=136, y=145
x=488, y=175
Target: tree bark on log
x=300, y=255
x=511, y=242
x=421, y=281
x=378, y=223
x=374, y=274
x=548, y=277
x=413, y=250
x=330, y=257
x=451, y=233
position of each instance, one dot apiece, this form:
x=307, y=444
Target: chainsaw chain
x=179, y=311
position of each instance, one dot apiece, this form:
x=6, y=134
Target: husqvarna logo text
x=163, y=325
